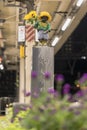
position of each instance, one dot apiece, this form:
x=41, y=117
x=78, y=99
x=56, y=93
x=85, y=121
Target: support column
x=22, y=81
x=30, y=41
x=28, y=66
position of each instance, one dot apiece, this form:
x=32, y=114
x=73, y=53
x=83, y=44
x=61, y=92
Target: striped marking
x=30, y=33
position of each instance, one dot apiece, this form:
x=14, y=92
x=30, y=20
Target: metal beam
x=78, y=17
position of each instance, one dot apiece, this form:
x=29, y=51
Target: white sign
x=21, y=33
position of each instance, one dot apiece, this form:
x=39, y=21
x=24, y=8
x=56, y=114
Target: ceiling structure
x=75, y=48
x=13, y=11
x=71, y=59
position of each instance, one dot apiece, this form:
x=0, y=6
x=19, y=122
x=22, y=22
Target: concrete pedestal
x=42, y=63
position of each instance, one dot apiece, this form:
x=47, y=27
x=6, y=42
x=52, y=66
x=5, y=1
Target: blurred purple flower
x=66, y=88
x=84, y=90
x=59, y=78
x=34, y=74
x=30, y=106
x=53, y=111
x=51, y=91
x=83, y=78
x=47, y=75
x=24, y=108
x=27, y=94
x=56, y=94
x=35, y=95
x=16, y=111
x=77, y=112
x=80, y=93
x=70, y=98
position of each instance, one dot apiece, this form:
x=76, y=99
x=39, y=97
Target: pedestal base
x=42, y=64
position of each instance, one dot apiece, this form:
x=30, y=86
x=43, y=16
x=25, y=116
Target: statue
x=40, y=22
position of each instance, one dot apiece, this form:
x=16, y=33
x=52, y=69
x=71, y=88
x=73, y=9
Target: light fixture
x=56, y=39
x=1, y=67
x=79, y=3
x=66, y=24
x=83, y=57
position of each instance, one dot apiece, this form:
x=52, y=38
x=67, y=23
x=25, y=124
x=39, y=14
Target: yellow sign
x=22, y=52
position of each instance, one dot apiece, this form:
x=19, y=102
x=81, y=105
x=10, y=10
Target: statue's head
x=45, y=16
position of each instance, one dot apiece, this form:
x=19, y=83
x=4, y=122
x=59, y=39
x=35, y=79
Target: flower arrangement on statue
x=41, y=23
x=31, y=17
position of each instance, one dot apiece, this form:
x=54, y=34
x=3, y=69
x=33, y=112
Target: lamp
x=1, y=66
x=79, y=2
x=66, y=24
x=56, y=39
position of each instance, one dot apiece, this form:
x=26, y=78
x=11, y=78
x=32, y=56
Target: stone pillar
x=30, y=41
x=28, y=66
x=22, y=81
x=42, y=64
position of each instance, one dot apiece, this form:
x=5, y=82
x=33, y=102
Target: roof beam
x=78, y=17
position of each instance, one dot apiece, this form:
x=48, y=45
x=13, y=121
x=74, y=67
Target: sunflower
x=44, y=13
x=30, y=15
x=26, y=17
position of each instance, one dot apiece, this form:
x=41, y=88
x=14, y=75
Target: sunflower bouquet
x=31, y=17
x=41, y=23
